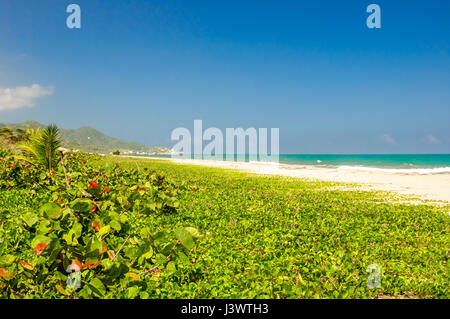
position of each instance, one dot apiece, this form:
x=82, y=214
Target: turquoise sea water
x=423, y=163
x=399, y=161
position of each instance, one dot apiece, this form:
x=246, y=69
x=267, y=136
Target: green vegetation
x=182, y=231
x=85, y=139
x=84, y=231
x=9, y=136
x=41, y=147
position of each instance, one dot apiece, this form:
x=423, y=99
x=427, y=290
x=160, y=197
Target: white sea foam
x=434, y=170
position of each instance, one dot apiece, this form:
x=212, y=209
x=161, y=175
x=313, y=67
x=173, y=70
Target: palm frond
x=41, y=147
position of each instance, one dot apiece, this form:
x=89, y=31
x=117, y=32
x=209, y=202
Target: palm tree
x=41, y=148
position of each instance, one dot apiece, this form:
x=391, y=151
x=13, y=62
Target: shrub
x=87, y=234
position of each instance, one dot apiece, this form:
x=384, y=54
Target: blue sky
x=138, y=69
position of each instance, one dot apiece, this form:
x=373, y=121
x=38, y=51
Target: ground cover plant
x=227, y=234
x=84, y=231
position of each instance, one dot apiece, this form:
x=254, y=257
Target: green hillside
x=88, y=139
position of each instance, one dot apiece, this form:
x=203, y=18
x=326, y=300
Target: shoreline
x=434, y=187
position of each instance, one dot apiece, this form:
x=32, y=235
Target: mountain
x=88, y=139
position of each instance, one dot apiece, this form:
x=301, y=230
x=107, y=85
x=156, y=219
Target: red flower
x=13, y=165
x=93, y=209
x=106, y=189
x=93, y=184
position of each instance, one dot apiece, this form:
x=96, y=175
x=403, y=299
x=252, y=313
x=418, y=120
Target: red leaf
x=39, y=248
x=90, y=264
x=4, y=272
x=86, y=265
x=93, y=184
x=96, y=226
x=26, y=265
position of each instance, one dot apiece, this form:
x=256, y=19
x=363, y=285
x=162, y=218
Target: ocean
x=420, y=163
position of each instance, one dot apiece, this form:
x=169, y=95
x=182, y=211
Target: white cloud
x=22, y=96
x=388, y=138
x=433, y=139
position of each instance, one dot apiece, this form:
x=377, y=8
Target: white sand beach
x=435, y=187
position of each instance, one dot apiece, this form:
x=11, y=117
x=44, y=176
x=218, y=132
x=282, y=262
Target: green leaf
x=123, y=218
x=73, y=234
x=61, y=290
x=171, y=267
x=51, y=210
x=193, y=231
x=132, y=292
x=115, y=225
x=6, y=260
x=81, y=205
x=148, y=254
x=185, y=237
x=85, y=292
x=44, y=227
x=95, y=244
x=53, y=250
x=97, y=287
x=59, y=276
x=104, y=230
x=40, y=239
x=30, y=219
